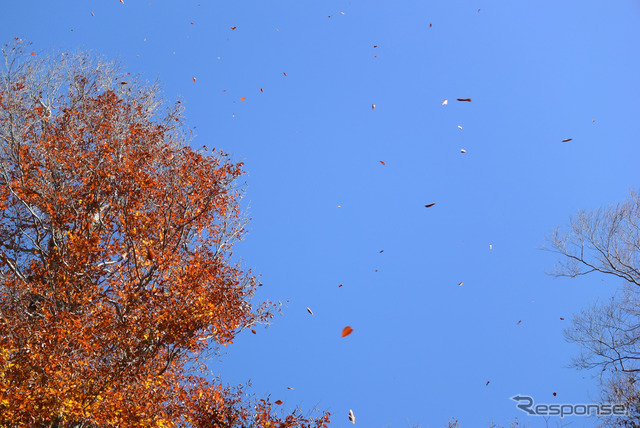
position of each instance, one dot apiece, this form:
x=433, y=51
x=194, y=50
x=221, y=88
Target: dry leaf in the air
x=194, y=79
x=242, y=98
x=464, y=99
x=278, y=402
x=373, y=106
x=554, y=394
x=463, y=151
x=340, y=285
x=375, y=46
x=261, y=90
x=381, y=251
x=430, y=205
x=445, y=102
x=233, y=28
x=309, y=310
x=382, y=163
x=346, y=331
x=253, y=331
x=561, y=319
x=352, y=417
x=122, y=1
x=284, y=74
x=460, y=285
x=341, y=13
x=487, y=383
x=459, y=127
x=430, y=25
x=519, y=322
x=567, y=139
x=491, y=246
x=288, y=387
x=92, y=14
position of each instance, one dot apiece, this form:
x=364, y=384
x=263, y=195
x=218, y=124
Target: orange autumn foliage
x=115, y=239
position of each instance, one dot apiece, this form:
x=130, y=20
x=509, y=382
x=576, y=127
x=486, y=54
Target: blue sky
x=423, y=347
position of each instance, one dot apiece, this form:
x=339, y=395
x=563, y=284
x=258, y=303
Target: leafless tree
x=607, y=241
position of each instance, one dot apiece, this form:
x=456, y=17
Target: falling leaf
x=122, y=1
x=352, y=417
x=33, y=53
x=464, y=99
x=561, y=319
x=309, y=310
x=373, y=106
x=288, y=387
x=346, y=331
x=340, y=285
x=567, y=139
x=554, y=394
x=123, y=83
x=233, y=28
x=233, y=115
x=459, y=127
x=491, y=246
x=253, y=331
x=478, y=10
x=284, y=74
x=445, y=102
x=463, y=151
x=278, y=402
x=92, y=14
x=382, y=163
x=261, y=90
x=430, y=205
x=193, y=79
x=341, y=13
x=242, y=98
x=430, y=25
x=381, y=251
x=519, y=322
x=375, y=46
x=339, y=206
x=487, y=383
x=460, y=285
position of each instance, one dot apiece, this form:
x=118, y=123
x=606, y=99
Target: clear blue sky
x=423, y=347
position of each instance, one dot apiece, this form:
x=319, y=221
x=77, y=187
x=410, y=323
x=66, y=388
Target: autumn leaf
x=352, y=417
x=261, y=90
x=346, y=331
x=430, y=25
x=464, y=99
x=242, y=98
x=278, y=402
x=460, y=284
x=567, y=140
x=309, y=310
x=445, y=102
x=463, y=151
x=339, y=285
x=519, y=322
x=373, y=106
x=193, y=79
x=233, y=28
x=284, y=74
x=382, y=163
x=487, y=383
x=430, y=205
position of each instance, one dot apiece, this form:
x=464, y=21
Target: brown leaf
x=352, y=417
x=278, y=402
x=233, y=28
x=567, y=139
x=464, y=99
x=309, y=310
x=382, y=163
x=430, y=205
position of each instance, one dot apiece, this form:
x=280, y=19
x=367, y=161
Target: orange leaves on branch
x=346, y=331
x=112, y=333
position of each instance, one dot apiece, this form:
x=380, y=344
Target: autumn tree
x=607, y=241
x=115, y=246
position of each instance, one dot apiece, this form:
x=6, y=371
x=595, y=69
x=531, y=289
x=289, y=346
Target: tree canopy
x=115, y=256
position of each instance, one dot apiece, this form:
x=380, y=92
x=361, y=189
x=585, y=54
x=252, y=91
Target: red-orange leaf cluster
x=115, y=239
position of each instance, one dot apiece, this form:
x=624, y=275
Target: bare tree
x=607, y=241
